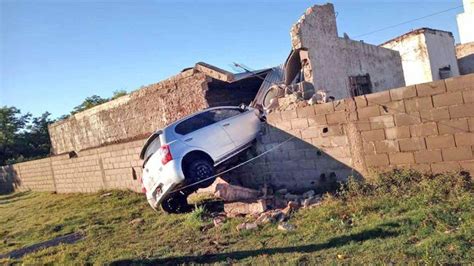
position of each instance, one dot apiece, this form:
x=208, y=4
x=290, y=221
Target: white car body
x=231, y=131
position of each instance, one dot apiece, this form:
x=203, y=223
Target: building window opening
x=360, y=85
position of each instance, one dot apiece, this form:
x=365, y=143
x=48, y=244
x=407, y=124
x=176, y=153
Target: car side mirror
x=243, y=107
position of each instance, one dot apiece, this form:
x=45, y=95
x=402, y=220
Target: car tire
x=199, y=170
x=176, y=203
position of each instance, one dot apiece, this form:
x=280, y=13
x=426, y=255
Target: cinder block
x=311, y=132
x=289, y=114
x=324, y=108
x=401, y=158
x=386, y=146
x=464, y=139
x=463, y=110
x=336, y=117
x=392, y=108
x=339, y=105
x=439, y=142
x=274, y=117
x=304, y=112
x=431, y=156
x=369, y=148
x=363, y=124
x=447, y=99
x=453, y=126
x=418, y=104
x=376, y=160
x=468, y=166
x=338, y=140
x=337, y=152
x=317, y=120
x=412, y=144
x=460, y=83
x=457, y=154
x=299, y=123
x=435, y=114
x=283, y=125
x=471, y=124
x=378, y=98
x=334, y=130
x=468, y=96
x=373, y=135
x=361, y=101
x=369, y=111
x=426, y=129
x=397, y=132
x=444, y=167
x=384, y=121
x=431, y=88
x=422, y=168
x=407, y=119
x=403, y=93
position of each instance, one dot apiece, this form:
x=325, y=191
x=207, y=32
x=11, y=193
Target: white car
x=190, y=149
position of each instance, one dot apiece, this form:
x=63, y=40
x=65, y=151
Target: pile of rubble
x=261, y=206
x=289, y=97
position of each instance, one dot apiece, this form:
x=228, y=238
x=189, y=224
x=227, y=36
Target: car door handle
x=188, y=139
x=226, y=125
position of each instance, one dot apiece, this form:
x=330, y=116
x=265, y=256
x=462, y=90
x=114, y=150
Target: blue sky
x=53, y=54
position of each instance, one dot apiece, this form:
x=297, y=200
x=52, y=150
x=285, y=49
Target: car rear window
x=151, y=146
x=194, y=123
x=222, y=114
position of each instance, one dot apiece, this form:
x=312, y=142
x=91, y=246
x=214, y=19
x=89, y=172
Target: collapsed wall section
x=334, y=60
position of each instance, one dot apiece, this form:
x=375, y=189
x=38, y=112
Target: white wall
x=466, y=22
x=442, y=53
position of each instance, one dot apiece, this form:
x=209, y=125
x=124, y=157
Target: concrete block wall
x=115, y=166
x=428, y=127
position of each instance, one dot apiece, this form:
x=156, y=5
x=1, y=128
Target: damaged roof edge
x=214, y=72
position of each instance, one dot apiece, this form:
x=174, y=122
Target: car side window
x=224, y=113
x=194, y=123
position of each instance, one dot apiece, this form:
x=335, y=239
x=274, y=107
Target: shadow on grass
x=14, y=197
x=212, y=205
x=376, y=233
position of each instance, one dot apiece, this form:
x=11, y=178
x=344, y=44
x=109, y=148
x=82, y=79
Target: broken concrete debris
x=234, y=209
x=266, y=206
x=230, y=193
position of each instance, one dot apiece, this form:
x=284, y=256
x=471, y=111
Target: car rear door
x=203, y=132
x=241, y=125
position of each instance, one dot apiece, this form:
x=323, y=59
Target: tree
x=23, y=137
x=118, y=94
x=11, y=124
x=88, y=103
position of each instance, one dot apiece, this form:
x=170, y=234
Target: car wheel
x=199, y=170
x=176, y=203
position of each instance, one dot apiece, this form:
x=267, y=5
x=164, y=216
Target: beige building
x=427, y=55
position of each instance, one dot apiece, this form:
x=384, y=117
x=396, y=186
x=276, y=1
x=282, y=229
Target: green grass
x=398, y=217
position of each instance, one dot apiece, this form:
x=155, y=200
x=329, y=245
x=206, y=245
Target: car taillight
x=165, y=154
x=143, y=186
